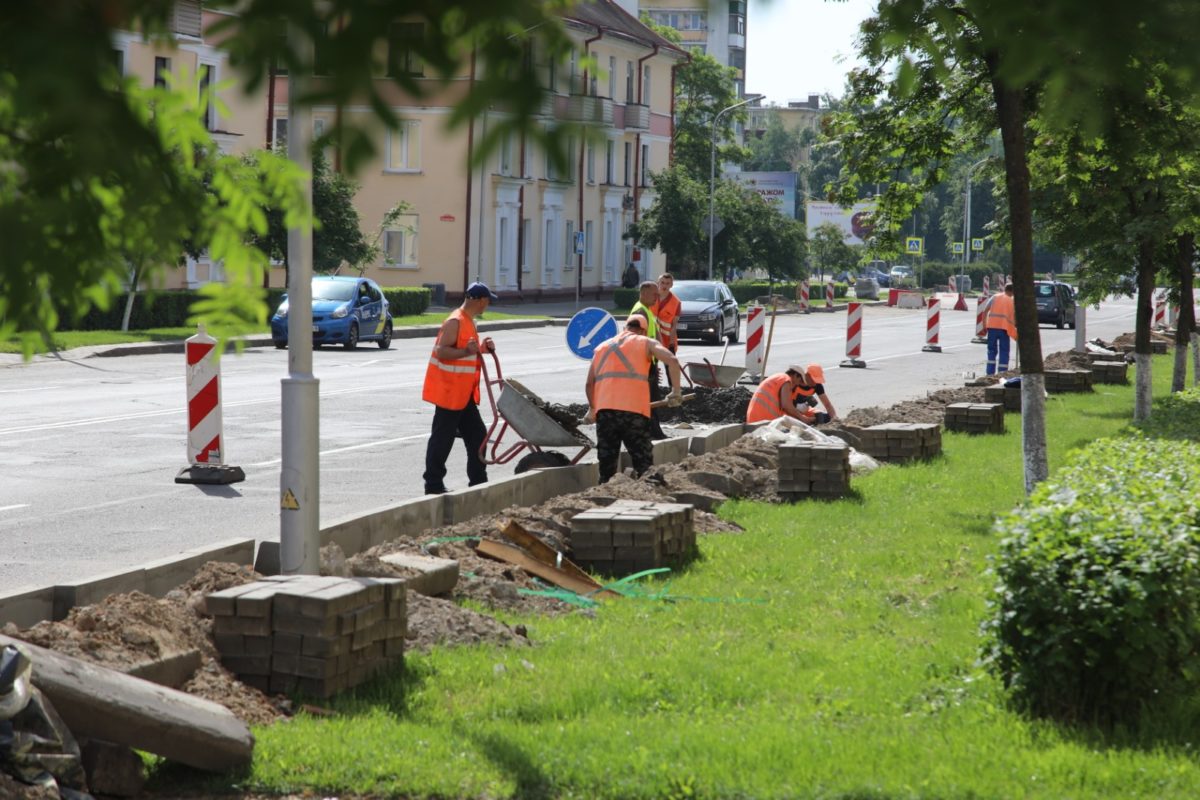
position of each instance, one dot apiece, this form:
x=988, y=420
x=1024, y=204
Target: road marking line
x=14, y=508
x=350, y=448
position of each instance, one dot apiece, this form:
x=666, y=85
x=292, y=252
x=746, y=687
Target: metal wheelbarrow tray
x=713, y=376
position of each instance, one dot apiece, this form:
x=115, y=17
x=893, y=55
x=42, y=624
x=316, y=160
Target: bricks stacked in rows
x=1068, y=380
x=312, y=634
x=1157, y=347
x=1109, y=372
x=975, y=417
x=1007, y=396
x=632, y=535
x=809, y=469
x=901, y=441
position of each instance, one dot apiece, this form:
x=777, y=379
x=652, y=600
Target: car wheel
x=720, y=333
x=352, y=336
x=280, y=345
x=1059, y=322
x=386, y=341
x=735, y=334
x=1071, y=322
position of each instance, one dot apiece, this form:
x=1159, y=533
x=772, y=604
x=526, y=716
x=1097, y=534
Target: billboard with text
x=777, y=188
x=852, y=221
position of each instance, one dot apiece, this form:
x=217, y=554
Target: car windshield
x=701, y=292
x=1045, y=290
x=332, y=290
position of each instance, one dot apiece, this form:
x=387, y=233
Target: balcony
x=589, y=109
x=547, y=108
x=637, y=117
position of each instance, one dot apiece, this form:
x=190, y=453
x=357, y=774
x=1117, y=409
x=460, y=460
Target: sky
x=799, y=47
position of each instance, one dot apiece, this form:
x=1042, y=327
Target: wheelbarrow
x=713, y=376
x=516, y=409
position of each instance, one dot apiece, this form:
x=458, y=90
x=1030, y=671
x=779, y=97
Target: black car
x=1055, y=303
x=708, y=311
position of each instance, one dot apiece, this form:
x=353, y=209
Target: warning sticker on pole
x=289, y=501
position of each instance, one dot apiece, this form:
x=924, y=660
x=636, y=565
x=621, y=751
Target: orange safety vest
x=764, y=405
x=621, y=372
x=667, y=310
x=450, y=383
x=1002, y=314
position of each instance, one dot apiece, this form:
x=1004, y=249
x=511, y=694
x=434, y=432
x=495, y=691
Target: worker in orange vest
x=452, y=385
x=618, y=393
x=667, y=310
x=777, y=396
x=1001, y=323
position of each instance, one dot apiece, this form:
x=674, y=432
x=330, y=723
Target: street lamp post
x=712, y=174
x=967, y=215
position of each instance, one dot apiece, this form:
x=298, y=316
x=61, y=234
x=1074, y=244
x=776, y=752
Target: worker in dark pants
x=647, y=299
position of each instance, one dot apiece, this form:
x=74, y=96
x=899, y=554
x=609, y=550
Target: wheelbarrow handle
x=663, y=403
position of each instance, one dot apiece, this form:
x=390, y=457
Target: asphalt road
x=90, y=446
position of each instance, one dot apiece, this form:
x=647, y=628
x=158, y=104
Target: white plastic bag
x=786, y=430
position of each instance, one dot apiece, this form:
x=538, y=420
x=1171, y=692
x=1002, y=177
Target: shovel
x=663, y=403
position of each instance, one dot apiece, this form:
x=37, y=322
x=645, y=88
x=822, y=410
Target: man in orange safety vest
x=452, y=385
x=618, y=393
x=1001, y=323
x=777, y=396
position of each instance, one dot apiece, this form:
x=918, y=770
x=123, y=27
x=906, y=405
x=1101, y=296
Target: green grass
x=827, y=652
x=69, y=340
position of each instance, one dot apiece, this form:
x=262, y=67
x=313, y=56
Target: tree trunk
x=1010, y=107
x=1142, y=394
x=1195, y=358
x=1186, y=324
x=135, y=271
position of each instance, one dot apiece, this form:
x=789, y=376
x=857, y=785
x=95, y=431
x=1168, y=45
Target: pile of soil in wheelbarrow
x=711, y=406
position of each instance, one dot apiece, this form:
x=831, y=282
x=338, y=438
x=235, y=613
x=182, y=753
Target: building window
x=591, y=163
x=628, y=162
x=502, y=245
x=737, y=58
x=404, y=148
x=321, y=55
x=506, y=146
x=574, y=85
x=208, y=109
x=118, y=60
x=645, y=86
x=400, y=242
x=588, y=249
x=628, y=81
x=645, y=170
x=612, y=77
x=610, y=250
x=279, y=141
x=548, y=247
x=609, y=155
x=552, y=82
x=526, y=237
x=569, y=245
x=403, y=40
x=162, y=66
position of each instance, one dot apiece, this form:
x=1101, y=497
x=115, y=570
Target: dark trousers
x=997, y=350
x=614, y=428
x=656, y=393
x=447, y=425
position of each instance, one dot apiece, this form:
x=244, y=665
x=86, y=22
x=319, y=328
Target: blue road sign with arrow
x=588, y=328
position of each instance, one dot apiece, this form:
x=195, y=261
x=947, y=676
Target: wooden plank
x=518, y=557
x=100, y=703
x=545, y=553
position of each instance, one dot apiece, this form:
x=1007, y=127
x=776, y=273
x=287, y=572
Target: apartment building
x=715, y=28
x=797, y=115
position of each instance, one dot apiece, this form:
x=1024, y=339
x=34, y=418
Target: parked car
x=708, y=311
x=901, y=271
x=1055, y=303
x=879, y=276
x=346, y=310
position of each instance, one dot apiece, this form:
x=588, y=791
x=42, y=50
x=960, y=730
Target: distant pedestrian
x=452, y=385
x=631, y=278
x=1001, y=324
x=618, y=393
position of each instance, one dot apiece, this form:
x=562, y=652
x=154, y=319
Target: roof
x=611, y=18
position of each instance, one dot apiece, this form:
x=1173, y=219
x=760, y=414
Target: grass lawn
x=827, y=652
x=69, y=340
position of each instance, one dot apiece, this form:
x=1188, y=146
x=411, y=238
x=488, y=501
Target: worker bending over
x=792, y=394
x=618, y=393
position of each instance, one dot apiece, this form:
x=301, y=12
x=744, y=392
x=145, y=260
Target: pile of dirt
x=724, y=406
x=1068, y=359
x=928, y=409
x=1128, y=340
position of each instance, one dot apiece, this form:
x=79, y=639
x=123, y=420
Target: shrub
x=749, y=291
x=1096, y=615
x=937, y=273
x=623, y=299
x=404, y=301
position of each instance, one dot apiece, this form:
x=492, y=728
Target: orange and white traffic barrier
x=987, y=285
x=755, y=343
x=981, y=309
x=205, y=435
x=854, y=336
x=933, y=316
x=829, y=296
x=804, y=297
x=1160, y=312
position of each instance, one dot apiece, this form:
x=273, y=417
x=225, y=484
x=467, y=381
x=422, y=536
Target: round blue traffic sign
x=588, y=328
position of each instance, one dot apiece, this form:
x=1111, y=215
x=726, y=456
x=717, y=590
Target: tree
x=674, y=222
x=778, y=150
x=703, y=88
x=828, y=251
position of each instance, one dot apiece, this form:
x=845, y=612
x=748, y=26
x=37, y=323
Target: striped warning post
x=829, y=296
x=1160, y=312
x=987, y=285
x=854, y=336
x=981, y=308
x=933, y=314
x=205, y=451
x=754, y=341
x=804, y=297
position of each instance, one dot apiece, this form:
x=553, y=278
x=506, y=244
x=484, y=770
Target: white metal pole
x=299, y=480
x=712, y=184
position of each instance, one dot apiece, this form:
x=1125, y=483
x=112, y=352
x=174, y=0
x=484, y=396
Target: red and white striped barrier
x=933, y=316
x=981, y=309
x=804, y=297
x=854, y=336
x=987, y=285
x=1160, y=312
x=205, y=430
x=829, y=296
x=755, y=345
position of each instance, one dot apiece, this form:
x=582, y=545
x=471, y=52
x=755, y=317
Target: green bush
x=404, y=301
x=150, y=310
x=937, y=273
x=748, y=291
x=623, y=299
x=1096, y=615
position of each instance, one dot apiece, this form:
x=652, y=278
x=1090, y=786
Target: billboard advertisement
x=777, y=188
x=850, y=220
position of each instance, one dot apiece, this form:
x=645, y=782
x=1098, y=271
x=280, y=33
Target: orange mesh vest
x=764, y=405
x=667, y=312
x=621, y=373
x=1002, y=314
x=450, y=383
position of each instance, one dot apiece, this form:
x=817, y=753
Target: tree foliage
x=703, y=88
x=828, y=251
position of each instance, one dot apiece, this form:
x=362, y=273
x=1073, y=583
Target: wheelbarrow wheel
x=541, y=460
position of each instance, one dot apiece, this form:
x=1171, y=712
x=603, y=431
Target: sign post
x=588, y=328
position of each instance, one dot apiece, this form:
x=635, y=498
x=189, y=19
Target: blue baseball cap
x=478, y=291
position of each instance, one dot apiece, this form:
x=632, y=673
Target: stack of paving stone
x=310, y=634
x=632, y=535
x=1109, y=372
x=810, y=469
x=1157, y=347
x=1068, y=380
x=897, y=442
x=975, y=417
x=1007, y=396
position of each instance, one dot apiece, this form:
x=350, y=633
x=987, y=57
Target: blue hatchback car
x=345, y=310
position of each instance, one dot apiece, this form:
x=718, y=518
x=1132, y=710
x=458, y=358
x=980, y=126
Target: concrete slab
x=168, y=573
x=544, y=484
x=487, y=498
x=716, y=439
x=437, y=575
x=96, y=588
x=359, y=533
x=27, y=607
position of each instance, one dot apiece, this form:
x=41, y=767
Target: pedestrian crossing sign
x=956, y=248
x=914, y=245
x=977, y=245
